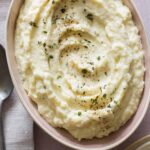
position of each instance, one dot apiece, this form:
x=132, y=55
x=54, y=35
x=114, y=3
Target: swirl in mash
x=81, y=62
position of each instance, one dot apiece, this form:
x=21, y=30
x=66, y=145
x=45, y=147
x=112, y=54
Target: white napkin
x=18, y=125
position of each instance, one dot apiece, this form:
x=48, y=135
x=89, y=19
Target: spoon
x=6, y=87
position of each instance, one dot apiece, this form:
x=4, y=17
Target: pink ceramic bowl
x=59, y=134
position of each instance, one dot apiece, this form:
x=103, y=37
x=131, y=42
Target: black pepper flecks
x=84, y=71
x=50, y=57
x=79, y=113
x=63, y=10
x=90, y=16
x=32, y=23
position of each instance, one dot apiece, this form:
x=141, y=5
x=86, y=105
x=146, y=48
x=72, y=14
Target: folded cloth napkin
x=18, y=125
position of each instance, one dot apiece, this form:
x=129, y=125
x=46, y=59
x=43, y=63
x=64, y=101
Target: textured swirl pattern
x=81, y=61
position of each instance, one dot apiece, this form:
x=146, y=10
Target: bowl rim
x=33, y=115
x=138, y=142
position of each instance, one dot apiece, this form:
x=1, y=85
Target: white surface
x=18, y=125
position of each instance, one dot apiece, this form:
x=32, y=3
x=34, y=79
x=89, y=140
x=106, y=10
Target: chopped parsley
x=50, y=57
x=85, y=46
x=54, y=19
x=84, y=71
x=44, y=44
x=33, y=24
x=104, y=96
x=91, y=63
x=109, y=106
x=59, y=77
x=98, y=58
x=52, y=46
x=39, y=42
x=87, y=41
x=46, y=52
x=94, y=101
x=45, y=32
x=115, y=102
x=100, y=89
x=79, y=113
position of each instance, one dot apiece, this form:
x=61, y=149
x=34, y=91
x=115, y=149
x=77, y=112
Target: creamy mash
x=81, y=62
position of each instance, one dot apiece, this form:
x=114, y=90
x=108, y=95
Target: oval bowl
x=61, y=135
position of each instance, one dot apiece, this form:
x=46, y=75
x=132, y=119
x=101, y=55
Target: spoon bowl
x=6, y=85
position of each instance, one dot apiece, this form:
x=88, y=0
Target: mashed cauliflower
x=81, y=62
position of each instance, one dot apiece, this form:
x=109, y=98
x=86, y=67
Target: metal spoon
x=6, y=87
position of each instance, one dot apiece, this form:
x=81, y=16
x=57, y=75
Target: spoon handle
x=2, y=146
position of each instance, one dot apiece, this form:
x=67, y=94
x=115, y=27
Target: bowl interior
x=60, y=134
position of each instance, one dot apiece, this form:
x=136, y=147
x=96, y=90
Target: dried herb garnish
x=84, y=10
x=84, y=71
x=104, y=96
x=115, y=102
x=79, y=113
x=45, y=32
x=59, y=77
x=52, y=46
x=84, y=93
x=109, y=106
x=98, y=58
x=90, y=16
x=50, y=57
x=85, y=46
x=94, y=101
x=39, y=42
x=87, y=40
x=44, y=44
x=33, y=24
